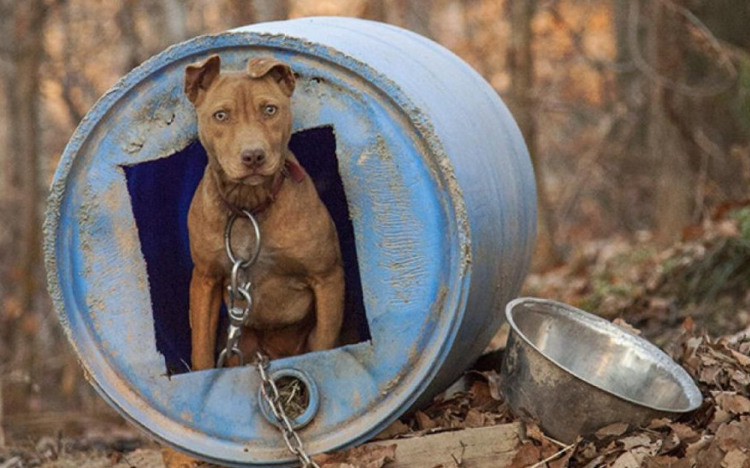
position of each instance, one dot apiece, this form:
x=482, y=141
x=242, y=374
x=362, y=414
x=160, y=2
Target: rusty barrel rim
x=101, y=373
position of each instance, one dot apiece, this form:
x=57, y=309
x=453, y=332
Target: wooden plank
x=483, y=447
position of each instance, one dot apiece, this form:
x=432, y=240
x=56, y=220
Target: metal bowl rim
x=686, y=383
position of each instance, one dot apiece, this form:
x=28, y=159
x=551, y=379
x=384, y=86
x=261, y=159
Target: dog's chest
x=276, y=251
x=281, y=293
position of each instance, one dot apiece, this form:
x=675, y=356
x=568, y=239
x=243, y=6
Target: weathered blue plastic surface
x=441, y=194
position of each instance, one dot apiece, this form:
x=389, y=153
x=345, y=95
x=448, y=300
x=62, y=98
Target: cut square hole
x=161, y=192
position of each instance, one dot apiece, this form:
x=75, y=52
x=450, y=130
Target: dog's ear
x=280, y=71
x=200, y=76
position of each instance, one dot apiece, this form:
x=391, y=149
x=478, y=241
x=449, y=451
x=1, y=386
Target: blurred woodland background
x=636, y=113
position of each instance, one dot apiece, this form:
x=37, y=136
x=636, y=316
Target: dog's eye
x=270, y=110
x=221, y=116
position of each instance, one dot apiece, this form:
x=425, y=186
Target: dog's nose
x=253, y=157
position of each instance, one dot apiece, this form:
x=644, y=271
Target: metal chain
x=270, y=394
x=239, y=292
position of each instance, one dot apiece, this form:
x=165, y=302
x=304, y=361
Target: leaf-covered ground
x=716, y=435
x=691, y=299
x=678, y=298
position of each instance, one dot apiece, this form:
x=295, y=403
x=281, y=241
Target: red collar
x=291, y=170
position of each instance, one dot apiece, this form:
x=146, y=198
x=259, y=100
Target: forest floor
x=691, y=299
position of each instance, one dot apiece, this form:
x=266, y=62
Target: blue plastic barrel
x=425, y=174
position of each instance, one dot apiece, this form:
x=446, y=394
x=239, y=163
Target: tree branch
x=654, y=75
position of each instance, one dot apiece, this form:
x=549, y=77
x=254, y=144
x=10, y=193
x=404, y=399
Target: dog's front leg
x=329, y=310
x=205, y=302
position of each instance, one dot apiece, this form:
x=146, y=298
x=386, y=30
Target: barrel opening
x=295, y=396
x=161, y=192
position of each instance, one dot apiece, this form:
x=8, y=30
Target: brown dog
x=244, y=123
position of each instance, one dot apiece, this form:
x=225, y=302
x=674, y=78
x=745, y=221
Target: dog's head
x=244, y=118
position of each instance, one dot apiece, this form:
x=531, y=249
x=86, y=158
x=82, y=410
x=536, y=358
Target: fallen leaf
x=564, y=459
x=596, y=462
x=731, y=402
x=588, y=450
x=660, y=423
x=613, y=430
x=396, y=429
x=688, y=324
x=685, y=432
x=493, y=381
x=627, y=460
x=669, y=443
x=667, y=462
x=481, y=395
x=632, y=442
x=364, y=456
x=741, y=358
x=734, y=459
x=720, y=417
x=114, y=457
x=475, y=418
x=710, y=375
x=527, y=455
x=699, y=445
x=549, y=449
x=740, y=381
x=424, y=422
x=534, y=432
x=733, y=435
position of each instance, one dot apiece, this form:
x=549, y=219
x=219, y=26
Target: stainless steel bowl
x=574, y=372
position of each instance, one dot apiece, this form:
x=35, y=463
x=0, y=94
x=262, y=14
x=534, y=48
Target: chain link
x=241, y=293
x=270, y=393
x=238, y=292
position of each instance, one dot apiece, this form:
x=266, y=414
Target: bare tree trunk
x=7, y=185
x=175, y=20
x=24, y=132
x=710, y=125
x=2, y=430
x=243, y=12
x=125, y=19
x=271, y=10
x=68, y=73
x=417, y=14
x=25, y=135
x=522, y=77
x=376, y=11
x=674, y=190
x=413, y=15
x=630, y=157
x=623, y=76
x=7, y=176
